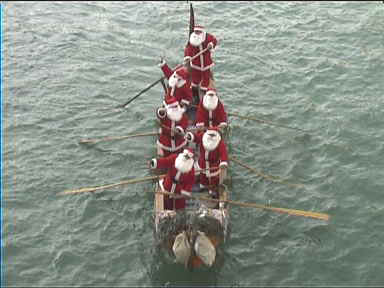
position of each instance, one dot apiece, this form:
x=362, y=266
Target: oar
x=316, y=215
x=153, y=84
x=191, y=21
x=143, y=91
x=83, y=141
x=266, y=122
x=164, y=86
x=269, y=177
x=93, y=189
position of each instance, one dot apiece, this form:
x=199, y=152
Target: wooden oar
x=269, y=177
x=83, y=141
x=131, y=181
x=316, y=215
x=266, y=122
x=143, y=91
x=191, y=21
x=93, y=189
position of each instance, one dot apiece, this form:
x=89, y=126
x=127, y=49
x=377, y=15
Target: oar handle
x=143, y=91
x=93, y=189
x=198, y=54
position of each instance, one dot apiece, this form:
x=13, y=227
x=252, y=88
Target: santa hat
x=213, y=130
x=211, y=92
x=188, y=152
x=199, y=28
x=170, y=102
x=182, y=72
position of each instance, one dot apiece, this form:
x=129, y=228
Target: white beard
x=183, y=165
x=175, y=81
x=210, y=102
x=172, y=80
x=211, y=143
x=175, y=114
x=197, y=39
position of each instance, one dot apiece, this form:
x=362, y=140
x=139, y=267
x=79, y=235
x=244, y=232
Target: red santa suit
x=199, y=40
x=213, y=154
x=179, y=179
x=210, y=111
x=179, y=83
x=173, y=123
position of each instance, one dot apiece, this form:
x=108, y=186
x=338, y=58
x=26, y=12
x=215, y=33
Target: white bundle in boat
x=182, y=249
x=205, y=249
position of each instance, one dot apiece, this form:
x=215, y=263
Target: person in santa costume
x=179, y=179
x=173, y=123
x=201, y=65
x=213, y=160
x=179, y=81
x=210, y=111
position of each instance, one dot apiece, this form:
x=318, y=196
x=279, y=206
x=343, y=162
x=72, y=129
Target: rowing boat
x=203, y=222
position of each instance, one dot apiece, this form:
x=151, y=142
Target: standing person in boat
x=210, y=111
x=213, y=160
x=173, y=123
x=179, y=81
x=179, y=179
x=201, y=65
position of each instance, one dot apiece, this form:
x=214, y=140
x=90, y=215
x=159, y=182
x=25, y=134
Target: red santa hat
x=213, y=130
x=199, y=28
x=182, y=72
x=170, y=102
x=211, y=92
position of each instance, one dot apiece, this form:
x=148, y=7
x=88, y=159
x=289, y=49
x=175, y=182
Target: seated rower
x=213, y=160
x=210, y=111
x=173, y=123
x=179, y=179
x=179, y=83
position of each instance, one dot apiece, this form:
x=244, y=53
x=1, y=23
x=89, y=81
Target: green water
x=312, y=65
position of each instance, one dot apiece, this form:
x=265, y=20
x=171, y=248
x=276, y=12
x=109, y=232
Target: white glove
x=179, y=130
x=210, y=46
x=186, y=193
x=189, y=136
x=162, y=62
x=153, y=163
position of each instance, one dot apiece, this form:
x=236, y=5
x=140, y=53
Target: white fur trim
x=185, y=101
x=199, y=124
x=158, y=114
x=192, y=136
x=167, y=148
x=224, y=163
x=154, y=161
x=202, y=68
x=180, y=129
